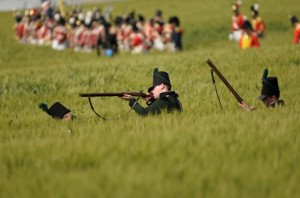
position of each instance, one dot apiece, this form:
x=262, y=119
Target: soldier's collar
x=167, y=94
x=277, y=103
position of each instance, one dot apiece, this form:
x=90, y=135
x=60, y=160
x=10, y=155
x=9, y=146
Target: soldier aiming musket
x=159, y=98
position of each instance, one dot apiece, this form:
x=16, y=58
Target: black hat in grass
x=160, y=77
x=270, y=86
x=57, y=110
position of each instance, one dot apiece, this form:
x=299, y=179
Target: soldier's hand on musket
x=127, y=97
x=247, y=107
x=148, y=98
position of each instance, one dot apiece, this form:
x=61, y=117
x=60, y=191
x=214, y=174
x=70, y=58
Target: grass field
x=203, y=152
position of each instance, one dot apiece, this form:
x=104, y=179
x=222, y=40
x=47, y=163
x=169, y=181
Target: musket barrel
x=119, y=94
x=236, y=95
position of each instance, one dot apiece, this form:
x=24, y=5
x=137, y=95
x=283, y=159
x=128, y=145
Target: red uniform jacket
x=20, y=29
x=258, y=25
x=60, y=33
x=237, y=22
x=297, y=34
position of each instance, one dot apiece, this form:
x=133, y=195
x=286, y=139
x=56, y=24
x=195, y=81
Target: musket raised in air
x=214, y=69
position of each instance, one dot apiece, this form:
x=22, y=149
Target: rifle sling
x=214, y=82
x=92, y=107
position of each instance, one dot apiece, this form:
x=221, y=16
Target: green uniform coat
x=168, y=101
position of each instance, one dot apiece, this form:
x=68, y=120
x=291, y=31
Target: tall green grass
x=203, y=152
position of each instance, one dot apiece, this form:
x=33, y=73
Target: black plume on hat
x=44, y=107
x=57, y=110
x=270, y=86
x=160, y=77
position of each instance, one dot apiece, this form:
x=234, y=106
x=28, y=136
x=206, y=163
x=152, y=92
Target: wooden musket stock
x=236, y=95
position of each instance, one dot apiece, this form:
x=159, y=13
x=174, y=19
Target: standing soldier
x=71, y=27
x=77, y=36
x=47, y=10
x=96, y=30
x=44, y=33
x=150, y=33
x=249, y=38
x=33, y=26
x=296, y=24
x=238, y=21
x=124, y=30
x=257, y=23
x=176, y=34
x=158, y=21
x=19, y=27
x=60, y=41
x=161, y=97
x=86, y=34
x=136, y=40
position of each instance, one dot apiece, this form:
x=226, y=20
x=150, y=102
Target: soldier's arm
x=154, y=108
x=246, y=107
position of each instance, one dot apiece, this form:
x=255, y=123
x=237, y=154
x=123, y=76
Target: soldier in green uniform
x=161, y=98
x=270, y=93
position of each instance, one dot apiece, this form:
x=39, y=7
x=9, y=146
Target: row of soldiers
x=96, y=30
x=248, y=32
x=161, y=98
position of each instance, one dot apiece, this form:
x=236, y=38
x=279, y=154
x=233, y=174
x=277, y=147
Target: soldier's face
x=156, y=91
x=68, y=116
x=268, y=101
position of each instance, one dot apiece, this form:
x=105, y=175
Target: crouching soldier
x=161, y=98
x=270, y=93
x=57, y=111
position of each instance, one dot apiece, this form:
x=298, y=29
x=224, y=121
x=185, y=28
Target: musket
x=61, y=7
x=214, y=69
x=119, y=94
x=107, y=12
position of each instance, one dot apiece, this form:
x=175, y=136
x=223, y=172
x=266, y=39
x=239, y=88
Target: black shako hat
x=294, y=19
x=160, y=77
x=255, y=8
x=57, y=110
x=247, y=26
x=270, y=86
